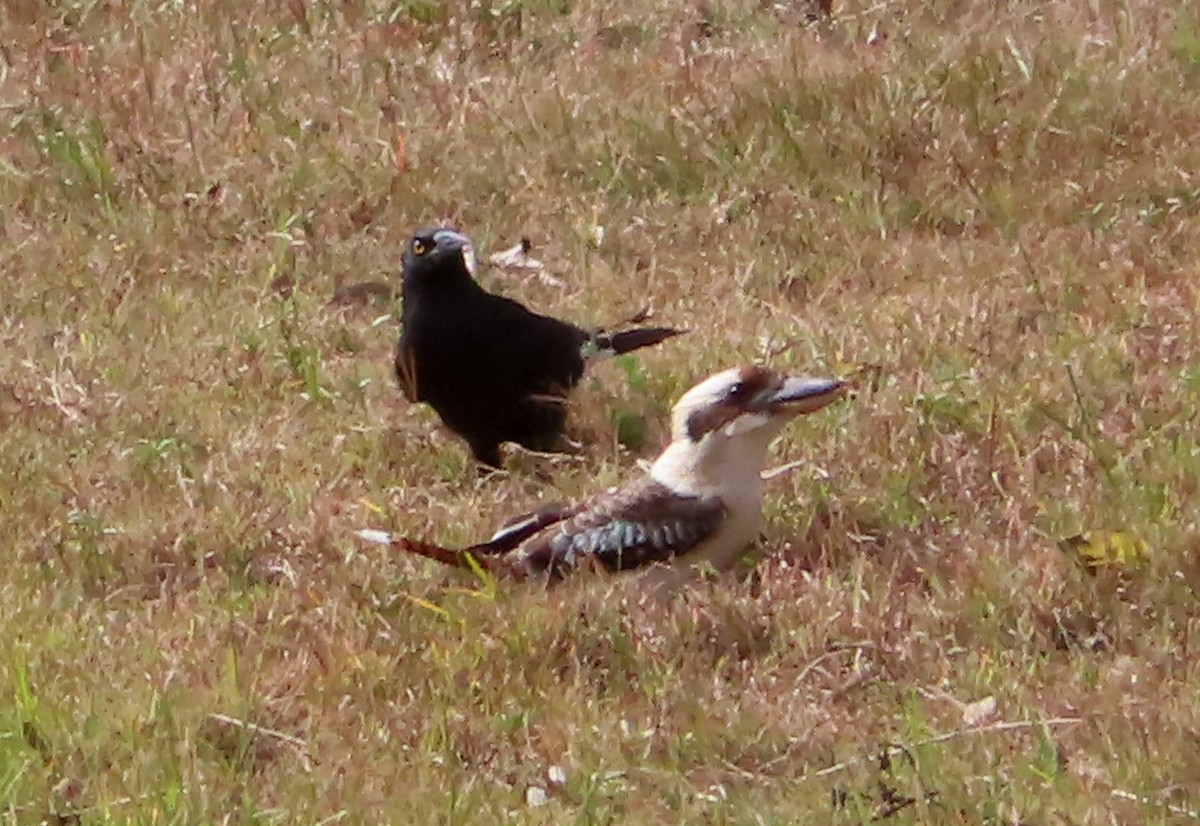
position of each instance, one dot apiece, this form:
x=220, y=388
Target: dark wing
x=494, y=333
x=543, y=352
x=406, y=370
x=520, y=528
x=643, y=523
x=488, y=346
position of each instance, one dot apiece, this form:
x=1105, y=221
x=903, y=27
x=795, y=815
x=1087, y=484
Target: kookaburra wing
x=700, y=502
x=642, y=523
x=492, y=369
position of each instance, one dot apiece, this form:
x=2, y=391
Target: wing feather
x=520, y=528
x=635, y=526
x=406, y=370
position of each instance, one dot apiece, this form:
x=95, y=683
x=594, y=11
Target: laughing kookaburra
x=701, y=501
x=493, y=370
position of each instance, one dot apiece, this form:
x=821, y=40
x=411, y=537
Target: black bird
x=493, y=370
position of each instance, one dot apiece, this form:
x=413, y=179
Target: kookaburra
x=493, y=370
x=701, y=501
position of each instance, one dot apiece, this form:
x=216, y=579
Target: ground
x=975, y=597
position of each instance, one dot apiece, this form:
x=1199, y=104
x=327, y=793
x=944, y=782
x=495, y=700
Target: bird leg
x=488, y=455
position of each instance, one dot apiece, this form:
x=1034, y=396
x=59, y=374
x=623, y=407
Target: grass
x=990, y=208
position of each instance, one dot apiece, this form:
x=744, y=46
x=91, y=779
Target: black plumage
x=492, y=369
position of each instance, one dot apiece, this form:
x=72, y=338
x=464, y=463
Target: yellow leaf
x=1102, y=549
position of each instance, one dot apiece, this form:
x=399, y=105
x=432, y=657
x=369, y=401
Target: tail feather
x=626, y=341
x=498, y=566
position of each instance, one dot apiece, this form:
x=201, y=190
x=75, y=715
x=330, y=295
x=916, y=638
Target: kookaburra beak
x=798, y=395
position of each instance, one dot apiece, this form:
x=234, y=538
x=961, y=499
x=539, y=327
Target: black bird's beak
x=799, y=395
x=448, y=243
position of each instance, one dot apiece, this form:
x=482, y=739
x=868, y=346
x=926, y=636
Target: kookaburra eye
x=738, y=391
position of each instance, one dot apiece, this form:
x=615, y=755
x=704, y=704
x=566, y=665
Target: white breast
x=733, y=476
x=740, y=528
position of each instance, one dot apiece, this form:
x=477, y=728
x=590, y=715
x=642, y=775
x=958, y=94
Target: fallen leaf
x=398, y=154
x=975, y=713
x=1105, y=549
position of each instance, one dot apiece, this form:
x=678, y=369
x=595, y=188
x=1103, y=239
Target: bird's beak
x=799, y=395
x=450, y=242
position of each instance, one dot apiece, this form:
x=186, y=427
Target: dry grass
x=995, y=206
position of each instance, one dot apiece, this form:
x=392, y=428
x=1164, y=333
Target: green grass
x=993, y=211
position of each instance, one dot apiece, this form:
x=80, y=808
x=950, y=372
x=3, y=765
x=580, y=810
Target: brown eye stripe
x=751, y=381
x=706, y=420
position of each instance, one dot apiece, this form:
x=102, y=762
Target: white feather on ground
x=518, y=258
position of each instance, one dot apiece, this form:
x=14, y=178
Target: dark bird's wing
x=492, y=369
x=486, y=346
x=406, y=370
x=542, y=351
x=640, y=524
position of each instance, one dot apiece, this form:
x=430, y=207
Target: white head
x=721, y=428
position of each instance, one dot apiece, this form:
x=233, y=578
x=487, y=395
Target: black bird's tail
x=605, y=345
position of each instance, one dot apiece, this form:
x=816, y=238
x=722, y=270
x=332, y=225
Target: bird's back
x=490, y=367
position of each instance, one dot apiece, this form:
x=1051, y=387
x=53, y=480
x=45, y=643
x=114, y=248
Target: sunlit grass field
x=974, y=601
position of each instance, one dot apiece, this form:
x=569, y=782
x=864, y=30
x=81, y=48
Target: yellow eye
x=419, y=247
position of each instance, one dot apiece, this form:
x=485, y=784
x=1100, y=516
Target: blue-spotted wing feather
x=632, y=527
x=520, y=528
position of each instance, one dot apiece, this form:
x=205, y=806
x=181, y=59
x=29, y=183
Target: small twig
x=738, y=770
x=779, y=349
x=58, y=400
x=1084, y=418
x=551, y=455
x=1148, y=801
x=788, y=467
x=866, y=678
x=78, y=811
x=255, y=729
x=1012, y=725
x=969, y=182
x=812, y=664
x=900, y=805
x=983, y=205
x=642, y=315
x=1033, y=276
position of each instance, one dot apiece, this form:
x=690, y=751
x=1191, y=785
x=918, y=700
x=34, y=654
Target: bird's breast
x=726, y=546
